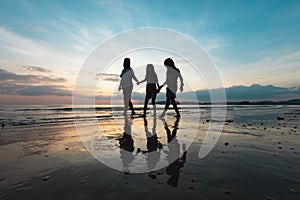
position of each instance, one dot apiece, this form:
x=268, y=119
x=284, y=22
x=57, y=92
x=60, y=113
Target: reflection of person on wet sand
x=127, y=146
x=126, y=84
x=151, y=88
x=153, y=145
x=176, y=161
x=173, y=74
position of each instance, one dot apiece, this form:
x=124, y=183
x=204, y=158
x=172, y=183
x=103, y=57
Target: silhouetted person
x=176, y=162
x=127, y=146
x=153, y=145
x=151, y=88
x=126, y=84
x=173, y=74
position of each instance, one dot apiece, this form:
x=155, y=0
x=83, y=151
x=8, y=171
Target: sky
x=44, y=43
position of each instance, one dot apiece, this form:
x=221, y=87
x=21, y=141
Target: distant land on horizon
x=288, y=102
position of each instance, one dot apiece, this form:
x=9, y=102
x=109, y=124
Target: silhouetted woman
x=126, y=84
x=151, y=88
x=173, y=74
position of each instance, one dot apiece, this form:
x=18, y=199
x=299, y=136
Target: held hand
x=181, y=88
x=159, y=88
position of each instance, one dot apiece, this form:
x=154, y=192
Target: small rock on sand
x=270, y=198
x=293, y=190
x=226, y=143
x=280, y=118
x=193, y=179
x=67, y=148
x=229, y=121
x=46, y=178
x=227, y=191
x=153, y=176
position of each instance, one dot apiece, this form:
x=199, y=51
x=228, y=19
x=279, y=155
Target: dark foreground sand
x=250, y=161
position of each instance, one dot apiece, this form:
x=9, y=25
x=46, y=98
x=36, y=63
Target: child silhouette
x=151, y=88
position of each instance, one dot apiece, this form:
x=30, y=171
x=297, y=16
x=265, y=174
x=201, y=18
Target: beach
x=256, y=156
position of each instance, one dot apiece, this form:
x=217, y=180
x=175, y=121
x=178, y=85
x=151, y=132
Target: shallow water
x=256, y=156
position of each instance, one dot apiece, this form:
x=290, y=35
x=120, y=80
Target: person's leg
x=167, y=104
x=131, y=107
x=129, y=100
x=166, y=107
x=126, y=99
x=146, y=104
x=175, y=107
x=153, y=104
x=153, y=99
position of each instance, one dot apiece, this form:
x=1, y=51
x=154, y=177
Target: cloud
x=2, y=29
x=10, y=88
x=17, y=49
x=44, y=90
x=108, y=77
x=278, y=67
x=11, y=77
x=36, y=28
x=32, y=90
x=31, y=85
x=36, y=69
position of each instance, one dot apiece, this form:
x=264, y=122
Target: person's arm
x=134, y=77
x=120, y=86
x=181, y=81
x=161, y=86
x=142, y=80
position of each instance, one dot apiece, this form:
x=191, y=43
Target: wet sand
x=253, y=159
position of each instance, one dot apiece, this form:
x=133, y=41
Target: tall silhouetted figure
x=126, y=84
x=173, y=74
x=151, y=88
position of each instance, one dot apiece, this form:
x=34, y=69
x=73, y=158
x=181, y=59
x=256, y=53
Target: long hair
x=126, y=65
x=170, y=63
x=150, y=70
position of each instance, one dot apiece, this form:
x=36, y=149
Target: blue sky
x=250, y=41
